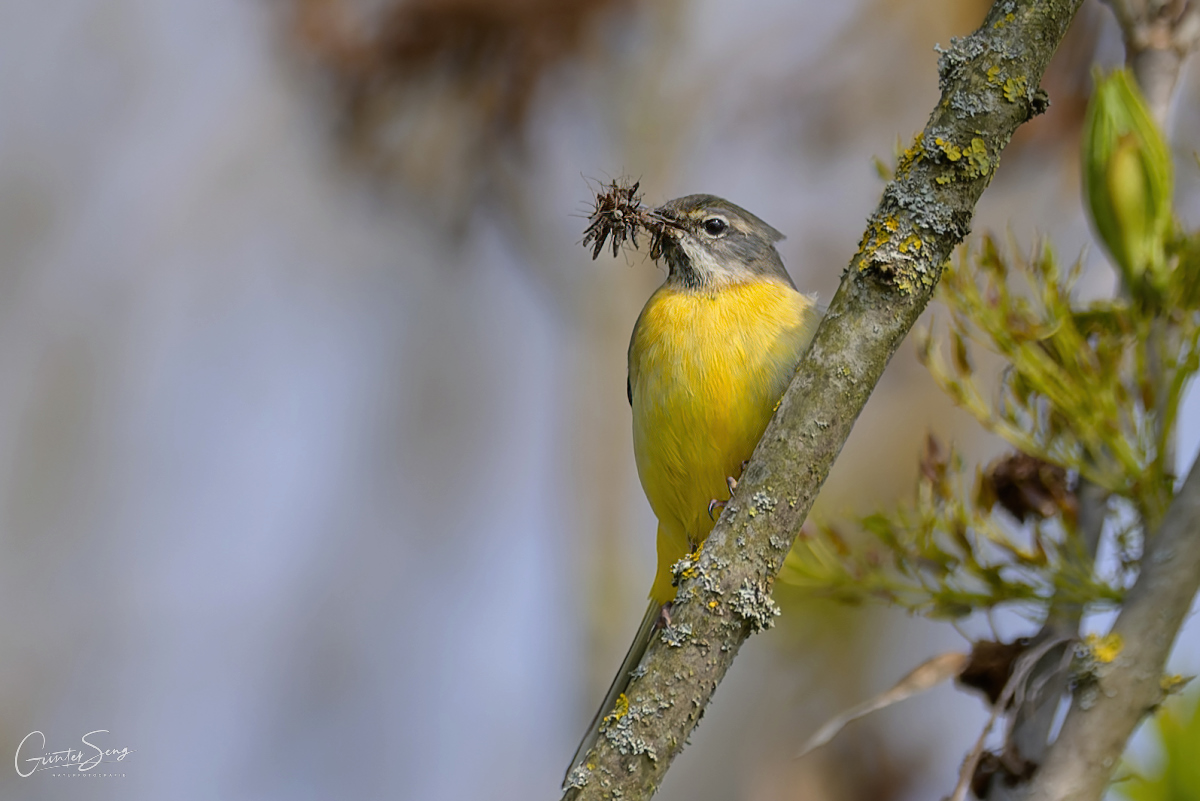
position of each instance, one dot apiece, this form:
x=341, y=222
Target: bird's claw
x=715, y=504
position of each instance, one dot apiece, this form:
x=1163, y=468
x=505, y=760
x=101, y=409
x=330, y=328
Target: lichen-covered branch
x=1093, y=736
x=989, y=83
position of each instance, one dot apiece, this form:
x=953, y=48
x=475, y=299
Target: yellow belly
x=706, y=370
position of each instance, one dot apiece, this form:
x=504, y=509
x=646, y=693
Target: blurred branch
x=1159, y=35
x=1023, y=676
x=989, y=86
x=1099, y=723
x=1033, y=718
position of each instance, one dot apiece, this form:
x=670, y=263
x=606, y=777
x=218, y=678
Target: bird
x=711, y=354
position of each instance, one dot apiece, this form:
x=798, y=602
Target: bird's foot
x=664, y=616
x=715, y=504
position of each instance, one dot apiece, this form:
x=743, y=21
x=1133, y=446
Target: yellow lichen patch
x=952, y=151
x=1105, y=649
x=619, y=711
x=712, y=604
x=911, y=242
x=1173, y=683
x=1014, y=89
x=692, y=560
x=909, y=157
x=978, y=162
x=879, y=233
x=977, y=156
x=993, y=75
x=1000, y=23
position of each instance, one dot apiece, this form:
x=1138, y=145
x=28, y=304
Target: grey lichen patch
x=618, y=729
x=763, y=502
x=578, y=778
x=676, y=635
x=971, y=105
x=709, y=583
x=753, y=602
x=777, y=542
x=928, y=211
x=951, y=61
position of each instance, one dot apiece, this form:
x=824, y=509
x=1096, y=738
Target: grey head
x=709, y=242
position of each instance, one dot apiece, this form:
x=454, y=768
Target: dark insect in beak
x=617, y=212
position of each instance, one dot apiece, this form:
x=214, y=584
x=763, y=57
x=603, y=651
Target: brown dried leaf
x=1029, y=487
x=991, y=666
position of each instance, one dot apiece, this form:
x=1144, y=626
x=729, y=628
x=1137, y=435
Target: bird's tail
x=619, y=684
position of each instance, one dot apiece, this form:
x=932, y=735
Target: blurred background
x=315, y=466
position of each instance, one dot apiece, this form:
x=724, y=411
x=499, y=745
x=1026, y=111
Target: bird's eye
x=715, y=226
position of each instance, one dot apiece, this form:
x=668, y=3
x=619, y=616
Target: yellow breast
x=706, y=370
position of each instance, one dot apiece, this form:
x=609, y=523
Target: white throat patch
x=710, y=270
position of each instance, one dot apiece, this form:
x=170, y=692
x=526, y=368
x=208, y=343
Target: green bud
x=1127, y=178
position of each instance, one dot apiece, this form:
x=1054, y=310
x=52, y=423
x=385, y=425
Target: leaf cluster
x=956, y=549
x=1087, y=391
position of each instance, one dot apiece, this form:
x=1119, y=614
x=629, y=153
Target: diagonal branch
x=989, y=86
x=1093, y=736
